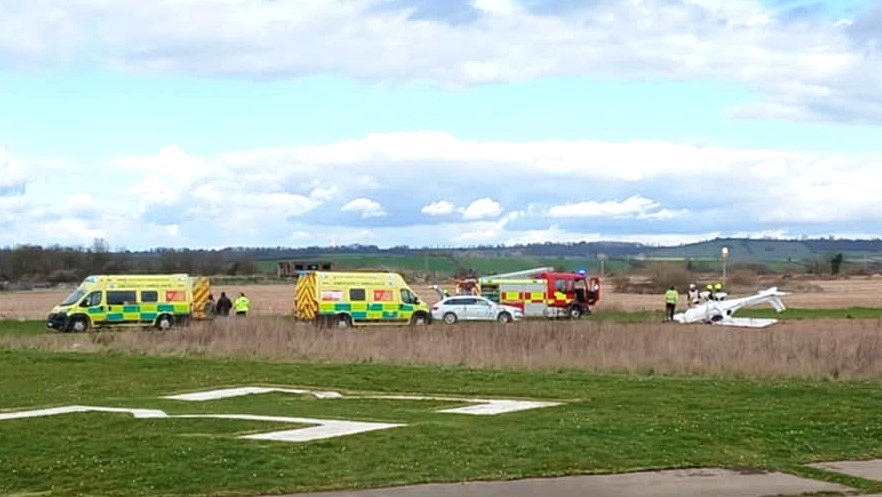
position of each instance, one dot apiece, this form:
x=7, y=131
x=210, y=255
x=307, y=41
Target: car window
x=482, y=302
x=460, y=301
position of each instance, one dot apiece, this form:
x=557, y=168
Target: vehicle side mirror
x=84, y=302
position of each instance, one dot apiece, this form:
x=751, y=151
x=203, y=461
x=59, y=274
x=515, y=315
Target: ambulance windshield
x=74, y=297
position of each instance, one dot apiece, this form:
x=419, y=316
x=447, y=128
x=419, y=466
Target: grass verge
x=609, y=423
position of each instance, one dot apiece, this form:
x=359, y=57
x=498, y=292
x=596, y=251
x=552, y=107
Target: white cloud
x=635, y=206
x=365, y=206
x=637, y=190
x=482, y=209
x=796, y=64
x=438, y=208
x=322, y=194
x=499, y=7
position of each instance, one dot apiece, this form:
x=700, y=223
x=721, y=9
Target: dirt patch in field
x=278, y=299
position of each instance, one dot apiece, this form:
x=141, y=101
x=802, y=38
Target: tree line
x=57, y=264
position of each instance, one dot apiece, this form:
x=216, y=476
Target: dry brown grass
x=805, y=349
x=811, y=349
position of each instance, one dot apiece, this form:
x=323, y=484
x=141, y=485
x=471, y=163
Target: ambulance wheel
x=503, y=318
x=419, y=319
x=164, y=322
x=575, y=312
x=344, y=321
x=449, y=318
x=79, y=325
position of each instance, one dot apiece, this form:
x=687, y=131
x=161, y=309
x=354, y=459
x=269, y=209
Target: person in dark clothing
x=581, y=290
x=223, y=305
x=209, y=310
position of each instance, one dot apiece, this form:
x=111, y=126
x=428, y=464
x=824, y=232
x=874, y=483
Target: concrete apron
x=670, y=483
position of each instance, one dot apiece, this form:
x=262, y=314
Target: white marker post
x=725, y=253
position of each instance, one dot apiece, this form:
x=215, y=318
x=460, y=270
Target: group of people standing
x=694, y=297
x=222, y=307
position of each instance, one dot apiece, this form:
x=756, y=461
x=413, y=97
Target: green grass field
x=608, y=423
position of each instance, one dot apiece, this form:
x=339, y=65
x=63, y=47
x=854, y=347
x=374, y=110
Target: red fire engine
x=543, y=292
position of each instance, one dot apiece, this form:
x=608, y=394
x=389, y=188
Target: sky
x=429, y=123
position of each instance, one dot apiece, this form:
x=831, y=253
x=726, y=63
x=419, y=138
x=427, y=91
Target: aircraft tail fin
x=777, y=304
x=775, y=298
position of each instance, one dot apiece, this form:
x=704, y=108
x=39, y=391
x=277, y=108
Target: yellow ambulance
x=345, y=299
x=159, y=300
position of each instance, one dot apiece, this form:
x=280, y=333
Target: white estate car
x=474, y=308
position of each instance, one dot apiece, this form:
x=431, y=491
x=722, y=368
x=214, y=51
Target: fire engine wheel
x=503, y=318
x=164, y=322
x=79, y=325
x=449, y=318
x=575, y=312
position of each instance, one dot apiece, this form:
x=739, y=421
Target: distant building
x=293, y=269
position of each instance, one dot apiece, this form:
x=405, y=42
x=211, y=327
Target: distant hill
x=763, y=250
x=739, y=250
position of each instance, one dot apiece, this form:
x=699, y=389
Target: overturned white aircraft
x=721, y=312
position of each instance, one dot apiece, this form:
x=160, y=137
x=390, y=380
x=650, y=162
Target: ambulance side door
x=92, y=305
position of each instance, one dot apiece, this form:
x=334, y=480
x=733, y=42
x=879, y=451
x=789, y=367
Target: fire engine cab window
x=560, y=285
x=357, y=294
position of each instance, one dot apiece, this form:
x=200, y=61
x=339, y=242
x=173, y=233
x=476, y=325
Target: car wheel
x=503, y=318
x=450, y=318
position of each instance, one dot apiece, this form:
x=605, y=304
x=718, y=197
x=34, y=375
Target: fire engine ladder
x=526, y=273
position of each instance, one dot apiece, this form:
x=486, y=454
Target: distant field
x=278, y=299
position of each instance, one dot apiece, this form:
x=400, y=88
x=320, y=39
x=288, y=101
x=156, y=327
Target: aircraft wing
x=747, y=322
